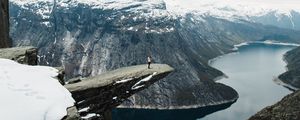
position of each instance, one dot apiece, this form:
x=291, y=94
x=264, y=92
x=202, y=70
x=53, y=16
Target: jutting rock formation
x=96, y=96
x=100, y=94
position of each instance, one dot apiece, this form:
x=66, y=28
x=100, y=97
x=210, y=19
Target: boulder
x=23, y=55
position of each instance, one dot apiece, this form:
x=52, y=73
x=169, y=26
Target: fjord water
x=251, y=71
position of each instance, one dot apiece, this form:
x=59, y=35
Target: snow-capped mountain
x=282, y=14
x=90, y=37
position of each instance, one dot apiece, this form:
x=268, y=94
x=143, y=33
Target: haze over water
x=251, y=72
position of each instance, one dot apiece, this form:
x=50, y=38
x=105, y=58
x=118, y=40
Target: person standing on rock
x=149, y=61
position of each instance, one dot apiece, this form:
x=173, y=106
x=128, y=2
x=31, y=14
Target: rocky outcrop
x=287, y=109
x=23, y=55
x=4, y=24
x=96, y=96
x=72, y=114
x=291, y=78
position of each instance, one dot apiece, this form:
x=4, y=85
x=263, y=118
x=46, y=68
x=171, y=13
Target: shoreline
x=278, y=81
x=221, y=77
x=179, y=107
x=237, y=46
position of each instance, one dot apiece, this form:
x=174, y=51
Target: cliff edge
x=96, y=96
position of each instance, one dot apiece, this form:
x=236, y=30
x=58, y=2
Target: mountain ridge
x=230, y=10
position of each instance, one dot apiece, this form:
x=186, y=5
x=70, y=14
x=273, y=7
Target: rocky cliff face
x=292, y=77
x=4, y=24
x=88, y=40
x=286, y=109
x=99, y=94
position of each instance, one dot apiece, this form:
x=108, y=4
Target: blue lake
x=250, y=72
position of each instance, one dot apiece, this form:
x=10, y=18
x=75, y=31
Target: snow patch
x=84, y=109
x=124, y=81
x=236, y=47
x=137, y=87
x=31, y=92
x=139, y=84
x=130, y=28
x=90, y=115
x=272, y=42
x=114, y=98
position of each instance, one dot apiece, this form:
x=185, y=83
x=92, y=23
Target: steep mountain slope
x=292, y=76
x=90, y=37
x=286, y=109
x=290, y=21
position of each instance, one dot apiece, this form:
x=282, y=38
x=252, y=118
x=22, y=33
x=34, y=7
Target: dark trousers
x=149, y=65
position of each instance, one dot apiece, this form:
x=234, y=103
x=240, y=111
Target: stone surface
x=72, y=114
x=103, y=92
x=292, y=77
x=286, y=109
x=23, y=55
x=4, y=25
x=61, y=75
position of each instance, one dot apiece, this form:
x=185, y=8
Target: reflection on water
x=250, y=72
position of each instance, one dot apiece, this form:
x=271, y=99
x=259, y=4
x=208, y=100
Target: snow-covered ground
x=31, y=93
